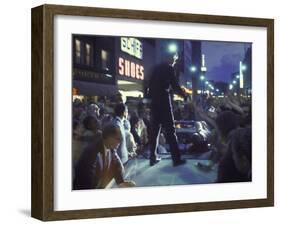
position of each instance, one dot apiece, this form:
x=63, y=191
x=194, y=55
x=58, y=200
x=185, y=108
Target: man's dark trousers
x=162, y=117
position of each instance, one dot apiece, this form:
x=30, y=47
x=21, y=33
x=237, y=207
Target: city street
x=163, y=173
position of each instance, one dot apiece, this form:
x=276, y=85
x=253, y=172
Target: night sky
x=222, y=58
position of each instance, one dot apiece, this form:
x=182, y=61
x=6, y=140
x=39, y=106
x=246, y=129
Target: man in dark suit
x=99, y=163
x=162, y=82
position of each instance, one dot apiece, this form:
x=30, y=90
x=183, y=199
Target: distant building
x=196, y=63
x=106, y=65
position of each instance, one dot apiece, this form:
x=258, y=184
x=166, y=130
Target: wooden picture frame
x=43, y=111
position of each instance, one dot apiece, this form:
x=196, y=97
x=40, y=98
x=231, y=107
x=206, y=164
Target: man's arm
x=119, y=174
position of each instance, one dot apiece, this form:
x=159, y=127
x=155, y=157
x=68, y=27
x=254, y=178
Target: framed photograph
x=142, y=112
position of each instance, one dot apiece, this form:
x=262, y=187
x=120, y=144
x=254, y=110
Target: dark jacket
x=232, y=168
x=162, y=82
x=94, y=170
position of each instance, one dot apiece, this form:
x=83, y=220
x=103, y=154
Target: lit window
x=88, y=54
x=77, y=51
x=105, y=59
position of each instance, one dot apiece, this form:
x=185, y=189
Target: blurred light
x=203, y=67
x=193, y=69
x=241, y=79
x=237, y=76
x=234, y=82
x=230, y=86
x=217, y=90
x=186, y=90
x=202, y=77
x=207, y=82
x=235, y=94
x=244, y=67
x=173, y=48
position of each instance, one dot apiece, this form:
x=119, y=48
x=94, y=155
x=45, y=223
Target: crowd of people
x=93, y=125
x=108, y=133
x=223, y=127
x=229, y=120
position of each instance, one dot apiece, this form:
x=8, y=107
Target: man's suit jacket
x=162, y=81
x=95, y=170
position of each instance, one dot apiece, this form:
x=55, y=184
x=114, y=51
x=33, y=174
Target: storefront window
x=77, y=51
x=105, y=59
x=88, y=54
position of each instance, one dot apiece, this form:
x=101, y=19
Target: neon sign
x=130, y=69
x=132, y=46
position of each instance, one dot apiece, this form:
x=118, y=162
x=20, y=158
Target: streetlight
x=217, y=90
x=173, y=48
x=230, y=86
x=202, y=77
x=206, y=82
x=193, y=68
x=234, y=82
x=244, y=67
x=237, y=76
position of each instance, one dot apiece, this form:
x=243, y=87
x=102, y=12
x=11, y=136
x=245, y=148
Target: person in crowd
x=121, y=111
x=140, y=106
x=94, y=110
x=135, y=128
x=106, y=119
x=236, y=164
x=99, y=163
x=130, y=141
x=145, y=126
x=221, y=127
x=200, y=138
x=143, y=132
x=91, y=128
x=76, y=143
x=162, y=82
x=89, y=132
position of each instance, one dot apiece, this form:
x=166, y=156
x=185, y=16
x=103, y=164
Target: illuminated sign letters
x=132, y=46
x=130, y=69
